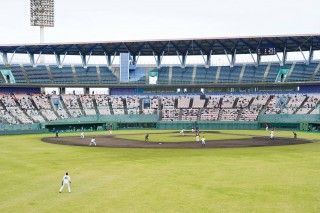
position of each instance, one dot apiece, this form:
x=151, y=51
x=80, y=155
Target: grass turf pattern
x=262, y=179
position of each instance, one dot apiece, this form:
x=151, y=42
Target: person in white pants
x=203, y=141
x=66, y=181
x=82, y=135
x=93, y=142
x=272, y=135
x=182, y=132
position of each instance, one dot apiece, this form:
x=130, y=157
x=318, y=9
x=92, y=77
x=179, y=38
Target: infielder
x=93, y=142
x=182, y=132
x=203, y=141
x=66, y=181
x=271, y=135
x=82, y=135
x=197, y=138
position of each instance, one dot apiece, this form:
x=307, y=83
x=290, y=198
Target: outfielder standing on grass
x=66, y=181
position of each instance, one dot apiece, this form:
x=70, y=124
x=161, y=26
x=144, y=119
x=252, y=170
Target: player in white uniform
x=271, y=134
x=82, y=135
x=93, y=142
x=66, y=181
x=182, y=132
x=203, y=141
x=197, y=138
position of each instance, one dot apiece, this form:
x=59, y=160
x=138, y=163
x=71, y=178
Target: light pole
x=42, y=15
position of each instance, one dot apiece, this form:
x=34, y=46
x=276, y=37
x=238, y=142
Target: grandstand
x=237, y=92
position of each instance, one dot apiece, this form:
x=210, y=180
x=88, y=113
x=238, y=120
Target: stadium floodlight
x=42, y=13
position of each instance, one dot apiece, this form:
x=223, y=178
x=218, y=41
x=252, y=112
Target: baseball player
x=294, y=135
x=271, y=135
x=82, y=135
x=110, y=129
x=66, y=181
x=182, y=132
x=197, y=138
x=203, y=141
x=93, y=142
x=146, y=137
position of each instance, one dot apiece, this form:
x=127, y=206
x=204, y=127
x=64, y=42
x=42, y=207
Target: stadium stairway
x=302, y=103
x=266, y=72
x=80, y=105
x=191, y=103
x=140, y=106
x=250, y=102
x=64, y=106
x=74, y=74
x=52, y=107
x=95, y=105
x=98, y=74
x=316, y=74
x=39, y=111
x=24, y=112
x=24, y=73
x=239, y=114
x=2, y=80
x=125, y=108
x=235, y=102
x=110, y=108
x=49, y=73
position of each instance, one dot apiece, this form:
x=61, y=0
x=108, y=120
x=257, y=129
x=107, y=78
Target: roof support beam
x=31, y=58
x=281, y=63
x=229, y=60
x=83, y=59
x=208, y=62
x=135, y=58
x=58, y=59
x=183, y=59
x=207, y=59
x=158, y=58
x=12, y=57
x=5, y=58
x=284, y=56
x=304, y=57
x=89, y=57
x=39, y=58
x=233, y=57
x=311, y=51
x=108, y=58
x=254, y=60
x=258, y=59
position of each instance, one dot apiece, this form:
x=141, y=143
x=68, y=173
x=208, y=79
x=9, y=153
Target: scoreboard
x=266, y=50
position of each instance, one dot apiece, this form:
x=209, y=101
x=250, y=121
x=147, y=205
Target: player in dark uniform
x=294, y=135
x=146, y=137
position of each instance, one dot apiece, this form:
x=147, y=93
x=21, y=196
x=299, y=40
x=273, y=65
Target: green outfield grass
x=261, y=179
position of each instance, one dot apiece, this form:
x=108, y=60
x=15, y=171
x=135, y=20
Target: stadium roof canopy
x=180, y=47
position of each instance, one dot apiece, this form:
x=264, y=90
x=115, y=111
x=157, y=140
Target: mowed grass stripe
x=264, y=179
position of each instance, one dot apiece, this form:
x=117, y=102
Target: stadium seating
x=189, y=75
x=39, y=108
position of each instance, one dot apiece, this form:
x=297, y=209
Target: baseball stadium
x=217, y=124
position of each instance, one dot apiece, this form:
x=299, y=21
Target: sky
x=105, y=20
